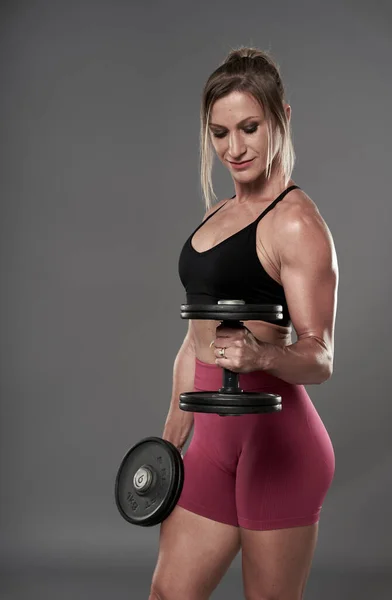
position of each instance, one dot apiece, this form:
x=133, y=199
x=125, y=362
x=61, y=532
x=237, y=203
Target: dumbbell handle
x=230, y=378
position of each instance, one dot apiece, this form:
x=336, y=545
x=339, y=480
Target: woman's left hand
x=243, y=352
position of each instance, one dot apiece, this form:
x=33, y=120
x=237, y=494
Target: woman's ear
x=287, y=109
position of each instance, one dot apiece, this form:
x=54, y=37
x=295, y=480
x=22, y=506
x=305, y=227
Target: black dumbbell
x=149, y=482
x=230, y=399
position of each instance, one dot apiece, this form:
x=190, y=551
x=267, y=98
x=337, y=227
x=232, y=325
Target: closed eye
x=246, y=130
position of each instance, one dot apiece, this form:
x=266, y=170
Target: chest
x=235, y=230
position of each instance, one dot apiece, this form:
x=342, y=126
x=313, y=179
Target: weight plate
x=150, y=497
x=226, y=316
x=233, y=311
x=236, y=399
x=233, y=306
x=229, y=410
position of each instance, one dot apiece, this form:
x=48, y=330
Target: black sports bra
x=231, y=269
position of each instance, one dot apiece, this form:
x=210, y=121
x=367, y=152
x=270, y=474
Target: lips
x=240, y=163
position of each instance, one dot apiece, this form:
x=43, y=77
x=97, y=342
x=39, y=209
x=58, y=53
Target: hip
x=298, y=427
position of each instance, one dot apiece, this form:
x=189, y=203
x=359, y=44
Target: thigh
x=210, y=485
x=276, y=563
x=194, y=554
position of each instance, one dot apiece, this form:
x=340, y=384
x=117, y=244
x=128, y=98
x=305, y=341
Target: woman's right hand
x=169, y=438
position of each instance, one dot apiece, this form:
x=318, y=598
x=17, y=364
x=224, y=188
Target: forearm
x=179, y=422
x=307, y=361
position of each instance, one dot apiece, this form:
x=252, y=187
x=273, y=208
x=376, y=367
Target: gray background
x=99, y=188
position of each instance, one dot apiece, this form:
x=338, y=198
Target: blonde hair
x=252, y=71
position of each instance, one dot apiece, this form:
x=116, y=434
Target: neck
x=261, y=189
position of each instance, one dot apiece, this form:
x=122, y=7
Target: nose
x=236, y=145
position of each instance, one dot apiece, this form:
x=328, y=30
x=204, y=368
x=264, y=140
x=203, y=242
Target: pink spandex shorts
x=263, y=471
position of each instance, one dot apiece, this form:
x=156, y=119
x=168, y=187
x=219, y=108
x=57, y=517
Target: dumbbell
x=230, y=399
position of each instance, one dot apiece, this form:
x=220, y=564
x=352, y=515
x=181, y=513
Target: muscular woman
x=252, y=482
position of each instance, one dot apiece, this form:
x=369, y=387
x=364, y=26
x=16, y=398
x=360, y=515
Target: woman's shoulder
x=295, y=209
x=298, y=218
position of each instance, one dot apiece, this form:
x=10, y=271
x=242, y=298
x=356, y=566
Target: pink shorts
x=263, y=471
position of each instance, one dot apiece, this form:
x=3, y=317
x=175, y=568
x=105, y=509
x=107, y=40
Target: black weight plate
x=267, y=317
x=229, y=410
x=238, y=399
x=232, y=311
x=155, y=504
x=241, y=308
x=223, y=312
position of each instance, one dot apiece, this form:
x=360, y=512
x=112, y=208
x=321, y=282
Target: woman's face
x=238, y=132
